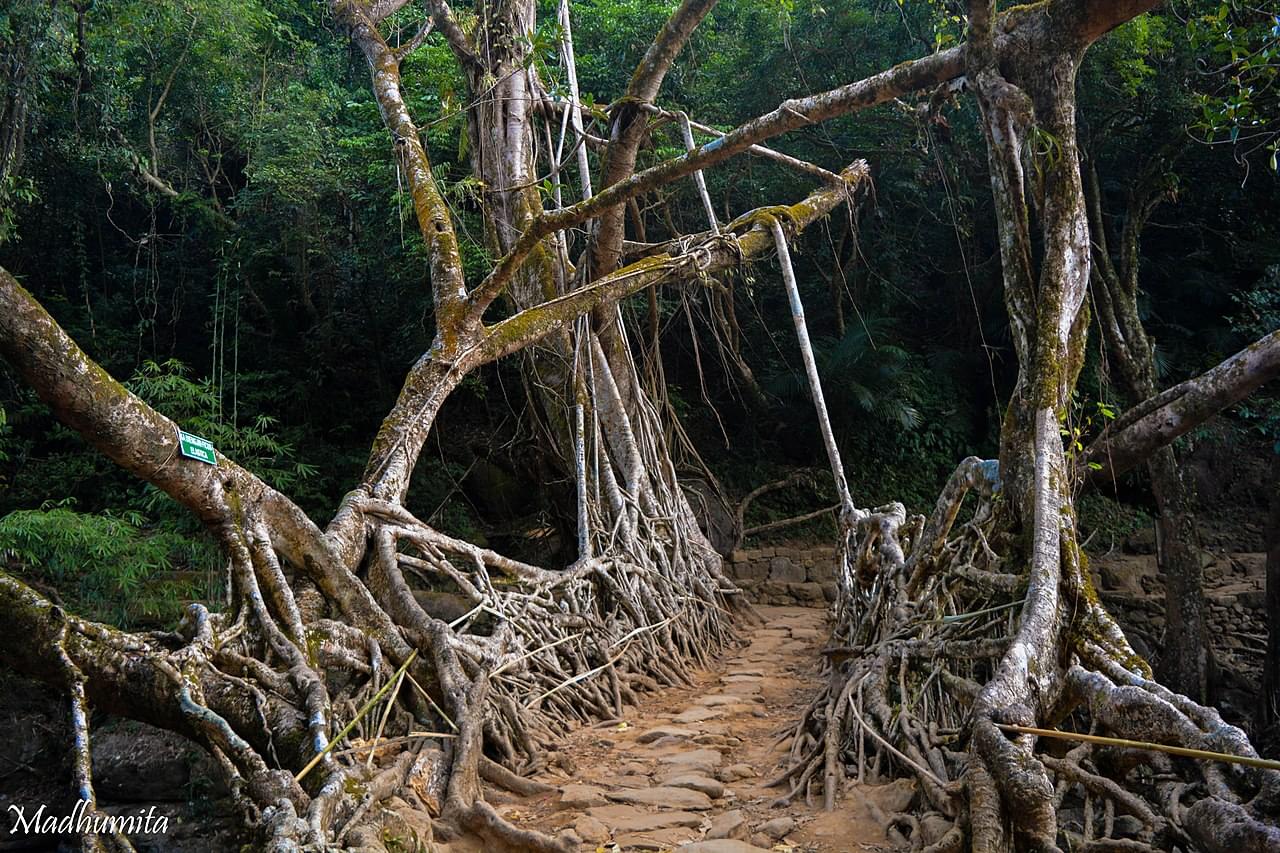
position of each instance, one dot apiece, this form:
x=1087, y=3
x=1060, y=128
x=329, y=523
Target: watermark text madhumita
x=82, y=821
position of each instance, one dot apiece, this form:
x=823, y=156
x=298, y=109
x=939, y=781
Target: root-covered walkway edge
x=703, y=769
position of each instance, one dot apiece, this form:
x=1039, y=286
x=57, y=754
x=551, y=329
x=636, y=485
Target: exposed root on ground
x=928, y=616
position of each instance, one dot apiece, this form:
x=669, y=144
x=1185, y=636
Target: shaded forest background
x=202, y=195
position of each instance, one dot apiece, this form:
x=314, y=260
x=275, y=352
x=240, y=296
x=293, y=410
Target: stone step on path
x=686, y=772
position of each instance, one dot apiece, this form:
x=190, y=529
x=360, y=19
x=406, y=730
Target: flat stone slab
x=624, y=818
x=581, y=797
x=696, y=782
x=663, y=839
x=695, y=715
x=632, y=780
x=720, y=845
x=743, y=688
x=665, y=731
x=664, y=797
x=694, y=760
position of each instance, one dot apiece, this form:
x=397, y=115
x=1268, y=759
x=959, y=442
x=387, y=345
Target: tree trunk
x=1186, y=658
x=995, y=632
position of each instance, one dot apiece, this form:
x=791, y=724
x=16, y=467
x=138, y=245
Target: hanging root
x=927, y=613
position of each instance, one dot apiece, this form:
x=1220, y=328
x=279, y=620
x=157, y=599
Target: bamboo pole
x=575, y=114
x=699, y=181
x=368, y=706
x=1185, y=752
x=811, y=367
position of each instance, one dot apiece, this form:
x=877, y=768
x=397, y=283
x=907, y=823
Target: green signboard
x=195, y=447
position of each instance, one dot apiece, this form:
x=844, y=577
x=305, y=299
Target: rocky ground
x=688, y=772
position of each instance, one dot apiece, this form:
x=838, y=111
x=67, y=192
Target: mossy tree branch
x=1156, y=422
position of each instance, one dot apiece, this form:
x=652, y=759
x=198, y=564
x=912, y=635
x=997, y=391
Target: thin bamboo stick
x=1185, y=752
x=368, y=706
x=811, y=366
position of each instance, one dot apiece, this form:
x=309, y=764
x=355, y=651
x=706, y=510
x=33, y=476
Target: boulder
x=778, y=828
x=591, y=830
x=735, y=772
x=730, y=824
x=1141, y=541
x=1124, y=575
x=782, y=570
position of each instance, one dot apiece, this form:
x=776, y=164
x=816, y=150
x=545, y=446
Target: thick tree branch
x=713, y=254
x=1149, y=427
x=441, y=19
x=111, y=418
x=790, y=115
x=145, y=443
x=768, y=153
x=434, y=220
x=1017, y=26
x=627, y=124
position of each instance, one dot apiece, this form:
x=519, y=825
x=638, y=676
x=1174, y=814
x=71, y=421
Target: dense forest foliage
x=202, y=194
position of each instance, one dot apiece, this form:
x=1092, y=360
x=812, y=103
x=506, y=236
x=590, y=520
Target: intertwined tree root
x=927, y=613
x=262, y=692
x=307, y=644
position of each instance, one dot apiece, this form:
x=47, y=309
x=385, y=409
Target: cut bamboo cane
x=1185, y=752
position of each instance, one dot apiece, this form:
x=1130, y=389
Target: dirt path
x=687, y=771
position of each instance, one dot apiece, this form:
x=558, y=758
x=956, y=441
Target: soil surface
x=689, y=770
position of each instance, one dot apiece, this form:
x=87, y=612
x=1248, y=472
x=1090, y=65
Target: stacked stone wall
x=785, y=575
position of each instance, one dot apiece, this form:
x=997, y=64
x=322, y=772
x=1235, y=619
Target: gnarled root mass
x=325, y=687
x=264, y=685
x=928, y=617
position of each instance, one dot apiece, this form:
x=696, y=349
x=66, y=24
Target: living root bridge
x=320, y=621
x=925, y=612
x=538, y=651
